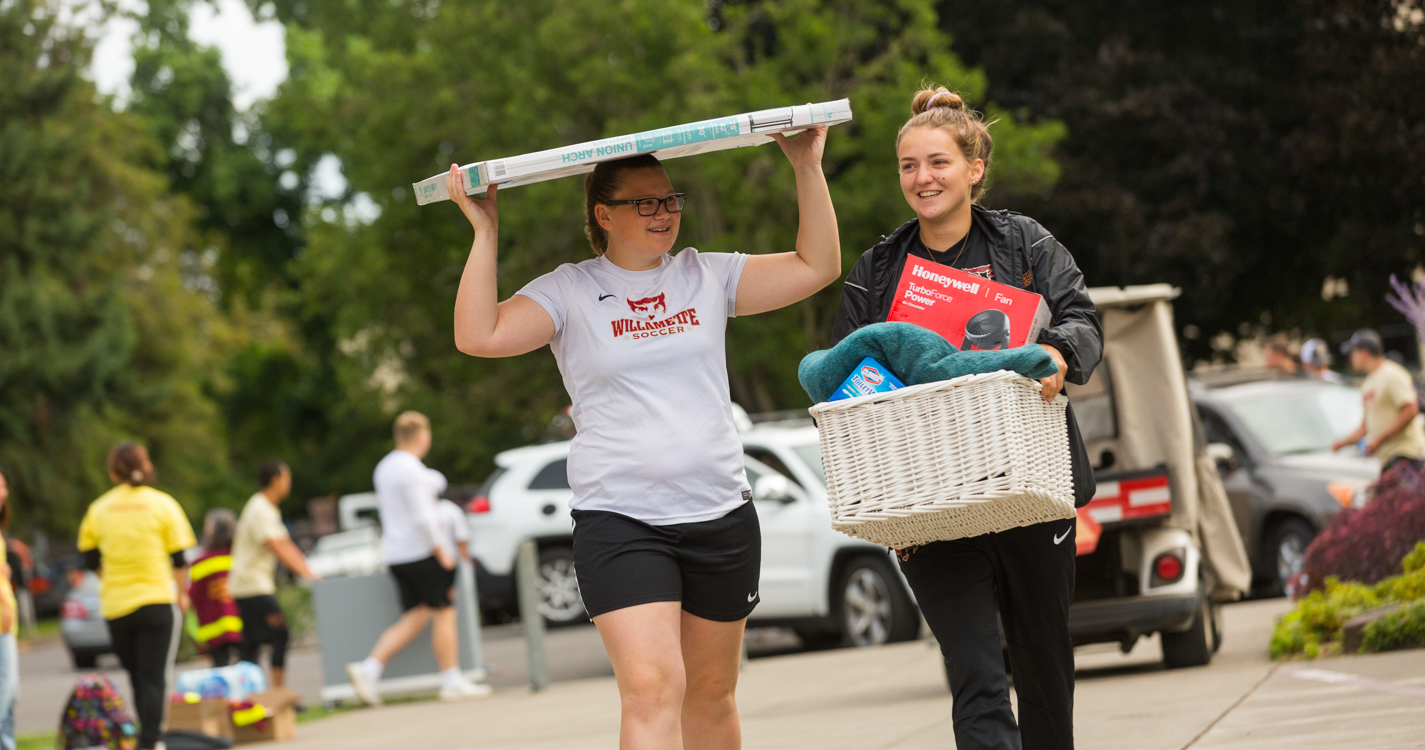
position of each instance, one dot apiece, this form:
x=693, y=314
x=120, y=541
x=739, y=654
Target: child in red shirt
x=219, y=625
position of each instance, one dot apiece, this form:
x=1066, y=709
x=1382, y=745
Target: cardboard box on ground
x=214, y=717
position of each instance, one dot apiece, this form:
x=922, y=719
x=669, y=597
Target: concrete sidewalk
x=895, y=697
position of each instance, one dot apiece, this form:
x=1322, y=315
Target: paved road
x=573, y=653
x=895, y=698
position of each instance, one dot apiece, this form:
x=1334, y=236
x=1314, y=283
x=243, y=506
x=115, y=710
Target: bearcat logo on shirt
x=647, y=305
x=645, y=329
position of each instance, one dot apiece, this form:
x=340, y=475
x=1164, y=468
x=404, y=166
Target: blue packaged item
x=869, y=377
x=234, y=682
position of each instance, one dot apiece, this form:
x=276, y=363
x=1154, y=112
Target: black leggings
x=1027, y=575
x=263, y=622
x=146, y=642
x=225, y=655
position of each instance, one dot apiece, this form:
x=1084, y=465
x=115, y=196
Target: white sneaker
x=366, y=688
x=464, y=689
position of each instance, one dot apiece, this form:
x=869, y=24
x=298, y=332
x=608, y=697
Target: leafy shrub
x=1403, y=588
x=1317, y=618
x=1415, y=561
x=1367, y=544
x=1316, y=622
x=296, y=602
x=1403, y=628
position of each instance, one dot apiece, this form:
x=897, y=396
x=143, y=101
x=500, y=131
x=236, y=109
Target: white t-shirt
x=454, y=529
x=406, y=497
x=644, y=359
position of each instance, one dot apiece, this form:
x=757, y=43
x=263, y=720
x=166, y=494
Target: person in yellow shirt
x=9, y=653
x=134, y=536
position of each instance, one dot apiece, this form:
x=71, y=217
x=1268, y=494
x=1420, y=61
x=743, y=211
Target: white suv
x=826, y=586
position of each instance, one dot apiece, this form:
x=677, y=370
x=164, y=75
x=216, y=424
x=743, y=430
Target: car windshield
x=810, y=454
x=1301, y=421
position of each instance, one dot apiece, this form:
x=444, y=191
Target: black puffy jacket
x=1023, y=253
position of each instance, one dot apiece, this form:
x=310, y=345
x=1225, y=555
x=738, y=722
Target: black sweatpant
x=146, y=642
x=1027, y=575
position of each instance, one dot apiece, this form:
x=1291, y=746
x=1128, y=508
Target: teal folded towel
x=916, y=355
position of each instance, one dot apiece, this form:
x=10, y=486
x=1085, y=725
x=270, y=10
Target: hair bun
x=936, y=98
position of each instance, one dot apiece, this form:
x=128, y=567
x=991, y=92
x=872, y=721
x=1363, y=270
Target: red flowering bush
x=1367, y=544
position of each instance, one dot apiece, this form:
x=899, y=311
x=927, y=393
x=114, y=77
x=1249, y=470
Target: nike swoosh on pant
x=1064, y=535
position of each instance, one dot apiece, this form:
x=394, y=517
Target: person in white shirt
x=667, y=547
x=412, y=541
x=454, y=530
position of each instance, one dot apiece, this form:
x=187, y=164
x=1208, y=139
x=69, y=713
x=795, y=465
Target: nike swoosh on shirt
x=603, y=297
x=752, y=597
x=1064, y=535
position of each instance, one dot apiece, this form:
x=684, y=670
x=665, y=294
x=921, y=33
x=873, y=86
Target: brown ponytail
x=940, y=107
x=129, y=464
x=600, y=186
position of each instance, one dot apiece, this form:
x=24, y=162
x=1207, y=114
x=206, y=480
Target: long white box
x=750, y=129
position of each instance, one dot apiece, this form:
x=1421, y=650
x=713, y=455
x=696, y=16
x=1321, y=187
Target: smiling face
x=639, y=241
x=935, y=175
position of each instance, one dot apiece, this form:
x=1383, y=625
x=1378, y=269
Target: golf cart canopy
x=1136, y=417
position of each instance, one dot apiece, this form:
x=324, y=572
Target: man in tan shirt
x=1391, y=404
x=261, y=540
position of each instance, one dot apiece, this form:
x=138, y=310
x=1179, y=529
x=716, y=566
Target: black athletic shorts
x=712, y=567
x=423, y=582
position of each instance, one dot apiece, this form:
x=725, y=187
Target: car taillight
x=1167, y=568
x=73, y=610
x=479, y=504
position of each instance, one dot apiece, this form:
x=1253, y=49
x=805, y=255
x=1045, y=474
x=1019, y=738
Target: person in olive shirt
x=260, y=541
x=1393, y=435
x=134, y=536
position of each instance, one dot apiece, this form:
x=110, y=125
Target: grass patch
x=313, y=713
x=43, y=629
x=35, y=741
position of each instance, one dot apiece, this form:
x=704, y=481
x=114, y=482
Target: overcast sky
x=254, y=54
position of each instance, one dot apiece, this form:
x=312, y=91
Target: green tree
x=104, y=325
x=398, y=91
x=1244, y=151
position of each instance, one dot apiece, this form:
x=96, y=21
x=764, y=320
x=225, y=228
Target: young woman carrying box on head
x=1027, y=573
x=667, y=547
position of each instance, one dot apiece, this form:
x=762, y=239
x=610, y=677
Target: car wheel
x=84, y=659
x=1285, y=550
x=559, y=600
x=1195, y=646
x=873, y=607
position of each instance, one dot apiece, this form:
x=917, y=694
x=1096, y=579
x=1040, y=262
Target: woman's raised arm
x=484, y=326
x=772, y=281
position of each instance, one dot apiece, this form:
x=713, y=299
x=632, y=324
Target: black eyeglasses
x=649, y=206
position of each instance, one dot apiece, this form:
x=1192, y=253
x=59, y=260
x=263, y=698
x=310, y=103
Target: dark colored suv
x=1272, y=441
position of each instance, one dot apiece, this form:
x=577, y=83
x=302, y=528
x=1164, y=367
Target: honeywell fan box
x=971, y=312
x=749, y=129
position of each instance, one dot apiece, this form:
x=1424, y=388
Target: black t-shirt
x=972, y=251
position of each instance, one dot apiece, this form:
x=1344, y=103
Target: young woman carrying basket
x=1025, y=574
x=667, y=547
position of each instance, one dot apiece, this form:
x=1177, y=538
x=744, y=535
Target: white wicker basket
x=946, y=460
